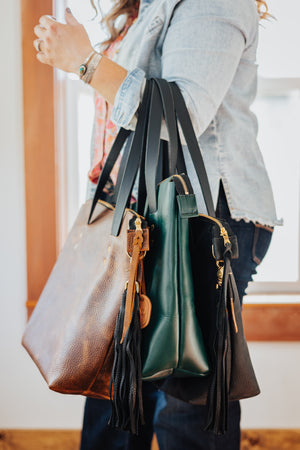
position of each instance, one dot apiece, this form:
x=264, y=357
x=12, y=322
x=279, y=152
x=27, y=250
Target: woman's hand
x=64, y=46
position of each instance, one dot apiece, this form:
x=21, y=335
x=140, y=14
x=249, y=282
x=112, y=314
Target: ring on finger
x=37, y=45
x=39, y=31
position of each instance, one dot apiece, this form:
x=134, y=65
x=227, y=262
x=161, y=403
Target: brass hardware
x=186, y=191
x=224, y=235
x=109, y=206
x=223, y=231
x=138, y=224
x=142, y=256
x=137, y=286
x=220, y=273
x=212, y=251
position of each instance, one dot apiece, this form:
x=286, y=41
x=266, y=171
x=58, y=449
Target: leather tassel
x=126, y=377
x=126, y=380
x=217, y=400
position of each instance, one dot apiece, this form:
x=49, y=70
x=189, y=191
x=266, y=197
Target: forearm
x=66, y=46
x=108, y=78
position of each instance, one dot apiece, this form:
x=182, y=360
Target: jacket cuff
x=128, y=99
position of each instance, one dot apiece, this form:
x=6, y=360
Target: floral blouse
x=105, y=131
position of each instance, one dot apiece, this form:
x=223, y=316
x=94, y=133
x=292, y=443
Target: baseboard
x=285, y=439
x=39, y=439
x=70, y=440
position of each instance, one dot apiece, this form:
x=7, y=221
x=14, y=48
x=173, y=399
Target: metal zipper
x=223, y=231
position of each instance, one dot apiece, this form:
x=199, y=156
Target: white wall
x=26, y=402
x=277, y=367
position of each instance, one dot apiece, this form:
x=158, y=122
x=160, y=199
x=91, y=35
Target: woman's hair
x=130, y=7
x=262, y=9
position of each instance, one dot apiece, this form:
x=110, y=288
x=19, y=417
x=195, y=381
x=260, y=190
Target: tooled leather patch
x=130, y=237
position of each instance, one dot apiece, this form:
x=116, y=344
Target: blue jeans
x=179, y=425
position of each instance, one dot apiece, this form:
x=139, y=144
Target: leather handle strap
x=119, y=142
x=171, y=123
x=108, y=166
x=153, y=146
x=175, y=148
x=122, y=166
x=193, y=146
x=157, y=103
x=132, y=164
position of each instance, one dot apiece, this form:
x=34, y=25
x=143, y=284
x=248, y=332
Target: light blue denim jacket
x=208, y=47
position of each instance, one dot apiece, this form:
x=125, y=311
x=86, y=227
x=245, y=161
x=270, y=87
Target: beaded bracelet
x=87, y=69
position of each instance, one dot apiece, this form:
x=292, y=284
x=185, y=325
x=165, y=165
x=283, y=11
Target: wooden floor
x=69, y=440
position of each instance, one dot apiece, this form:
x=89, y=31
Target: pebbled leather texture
x=70, y=332
x=173, y=324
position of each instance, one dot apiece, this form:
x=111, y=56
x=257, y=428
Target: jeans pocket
x=261, y=242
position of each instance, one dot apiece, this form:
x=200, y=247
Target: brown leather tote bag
x=70, y=334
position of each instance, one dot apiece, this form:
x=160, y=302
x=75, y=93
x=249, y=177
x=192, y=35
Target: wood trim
x=70, y=439
x=276, y=322
x=39, y=155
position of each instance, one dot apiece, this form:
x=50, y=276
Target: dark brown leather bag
x=70, y=332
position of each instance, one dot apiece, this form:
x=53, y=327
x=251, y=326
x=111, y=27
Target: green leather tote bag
x=188, y=274
x=172, y=343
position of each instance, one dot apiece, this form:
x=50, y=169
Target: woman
x=208, y=47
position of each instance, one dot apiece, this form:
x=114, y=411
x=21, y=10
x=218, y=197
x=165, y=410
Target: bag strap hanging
x=156, y=91
x=175, y=147
x=110, y=162
x=173, y=103
x=132, y=164
x=193, y=146
x=134, y=143
x=145, y=156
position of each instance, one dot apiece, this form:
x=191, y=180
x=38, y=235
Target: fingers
x=46, y=24
x=47, y=21
x=70, y=19
x=39, y=45
x=39, y=31
x=42, y=58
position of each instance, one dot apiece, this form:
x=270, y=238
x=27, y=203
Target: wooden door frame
x=43, y=170
x=39, y=156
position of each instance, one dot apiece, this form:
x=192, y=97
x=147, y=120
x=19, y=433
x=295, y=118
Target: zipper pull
x=225, y=236
x=138, y=224
x=220, y=273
